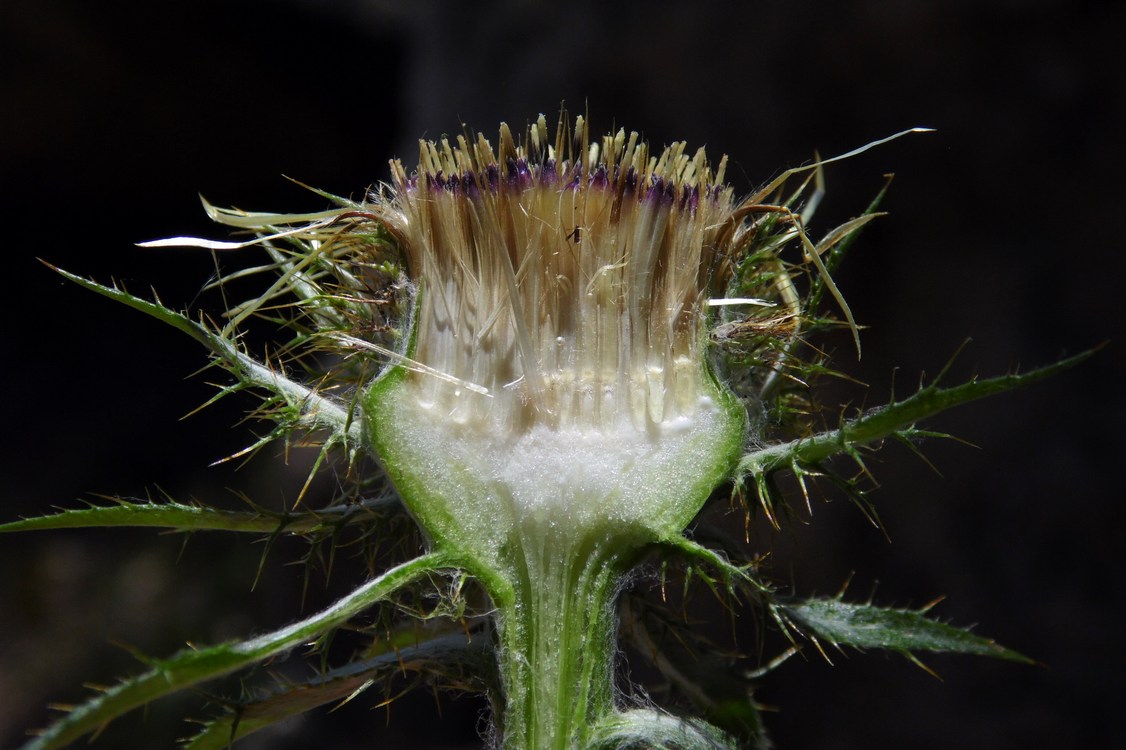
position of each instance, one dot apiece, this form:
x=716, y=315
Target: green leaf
x=874, y=425
x=191, y=666
x=445, y=654
x=181, y=517
x=704, y=558
x=862, y=626
x=309, y=408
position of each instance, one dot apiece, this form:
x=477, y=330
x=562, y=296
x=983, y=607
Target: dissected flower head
x=557, y=359
x=551, y=353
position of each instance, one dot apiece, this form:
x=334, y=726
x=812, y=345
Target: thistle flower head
x=552, y=365
x=557, y=357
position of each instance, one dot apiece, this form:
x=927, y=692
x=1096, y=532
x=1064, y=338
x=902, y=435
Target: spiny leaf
x=839, y=623
x=190, y=667
x=699, y=555
x=181, y=517
x=313, y=410
x=444, y=654
x=885, y=421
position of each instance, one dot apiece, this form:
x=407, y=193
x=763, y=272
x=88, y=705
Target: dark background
x=1005, y=226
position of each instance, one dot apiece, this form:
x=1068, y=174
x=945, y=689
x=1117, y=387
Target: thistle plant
x=549, y=355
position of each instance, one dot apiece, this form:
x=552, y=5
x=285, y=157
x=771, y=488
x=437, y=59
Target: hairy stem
x=557, y=643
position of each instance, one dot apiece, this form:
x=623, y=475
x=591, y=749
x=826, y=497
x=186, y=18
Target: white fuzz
x=584, y=478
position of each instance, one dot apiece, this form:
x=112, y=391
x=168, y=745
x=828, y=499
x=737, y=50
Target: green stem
x=556, y=635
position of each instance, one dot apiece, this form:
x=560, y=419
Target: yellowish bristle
x=573, y=291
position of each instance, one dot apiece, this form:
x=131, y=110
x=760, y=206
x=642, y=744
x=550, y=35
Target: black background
x=1005, y=226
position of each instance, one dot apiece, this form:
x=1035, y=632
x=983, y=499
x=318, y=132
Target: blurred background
x=1004, y=226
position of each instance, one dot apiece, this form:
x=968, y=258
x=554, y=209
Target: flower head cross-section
x=557, y=363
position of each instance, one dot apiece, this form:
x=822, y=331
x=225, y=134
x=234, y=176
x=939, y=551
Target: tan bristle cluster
x=560, y=284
